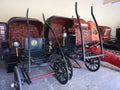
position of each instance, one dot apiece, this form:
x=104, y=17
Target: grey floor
x=103, y=79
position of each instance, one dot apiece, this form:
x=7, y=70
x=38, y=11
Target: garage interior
x=29, y=15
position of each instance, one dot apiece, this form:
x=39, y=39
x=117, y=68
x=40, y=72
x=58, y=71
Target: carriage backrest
x=17, y=28
x=57, y=23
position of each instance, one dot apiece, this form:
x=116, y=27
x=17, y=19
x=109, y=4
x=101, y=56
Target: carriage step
x=43, y=64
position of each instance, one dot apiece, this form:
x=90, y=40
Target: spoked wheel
x=61, y=70
x=93, y=64
x=17, y=79
x=70, y=68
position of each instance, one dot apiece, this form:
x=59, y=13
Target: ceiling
x=110, y=1
x=113, y=2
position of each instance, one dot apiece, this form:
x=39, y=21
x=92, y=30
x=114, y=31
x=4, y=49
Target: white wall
x=105, y=14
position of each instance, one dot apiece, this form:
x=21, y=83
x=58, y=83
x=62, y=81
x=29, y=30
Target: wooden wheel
x=93, y=64
x=61, y=69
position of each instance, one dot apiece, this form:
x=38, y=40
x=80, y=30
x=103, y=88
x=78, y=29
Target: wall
x=105, y=14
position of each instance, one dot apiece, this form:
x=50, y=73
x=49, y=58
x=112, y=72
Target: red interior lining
x=19, y=30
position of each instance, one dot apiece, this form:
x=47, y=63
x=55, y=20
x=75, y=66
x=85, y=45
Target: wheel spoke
x=92, y=64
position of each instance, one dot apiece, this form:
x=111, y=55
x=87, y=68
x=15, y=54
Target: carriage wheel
x=17, y=79
x=61, y=70
x=93, y=64
x=70, y=68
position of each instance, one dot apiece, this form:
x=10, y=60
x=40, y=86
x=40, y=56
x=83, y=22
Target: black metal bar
x=101, y=43
x=77, y=64
x=88, y=57
x=29, y=54
x=57, y=43
x=26, y=76
x=55, y=37
x=81, y=32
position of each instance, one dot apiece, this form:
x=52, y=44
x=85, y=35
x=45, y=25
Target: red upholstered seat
x=86, y=31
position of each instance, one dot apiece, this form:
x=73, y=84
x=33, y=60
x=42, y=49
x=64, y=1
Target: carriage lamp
x=13, y=85
x=16, y=44
x=50, y=42
x=50, y=45
x=64, y=35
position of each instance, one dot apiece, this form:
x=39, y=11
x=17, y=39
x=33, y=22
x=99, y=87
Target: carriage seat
x=35, y=46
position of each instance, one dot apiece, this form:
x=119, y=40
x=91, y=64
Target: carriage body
x=17, y=29
x=71, y=41
x=26, y=45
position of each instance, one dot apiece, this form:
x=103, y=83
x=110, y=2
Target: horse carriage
x=26, y=45
x=68, y=41
x=30, y=42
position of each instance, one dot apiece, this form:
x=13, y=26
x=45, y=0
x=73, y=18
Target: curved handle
x=29, y=54
x=81, y=32
x=99, y=33
x=54, y=36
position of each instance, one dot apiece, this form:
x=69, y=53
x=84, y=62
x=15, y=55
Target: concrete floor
x=103, y=79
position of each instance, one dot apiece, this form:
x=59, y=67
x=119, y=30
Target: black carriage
x=67, y=38
x=27, y=46
x=30, y=43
